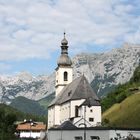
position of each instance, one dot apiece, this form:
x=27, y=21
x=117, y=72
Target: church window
x=65, y=76
x=91, y=119
x=76, y=111
x=95, y=137
x=78, y=138
x=69, y=93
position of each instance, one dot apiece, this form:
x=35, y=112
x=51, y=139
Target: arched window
x=65, y=76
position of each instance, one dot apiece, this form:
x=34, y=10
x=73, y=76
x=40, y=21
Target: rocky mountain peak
x=103, y=70
x=24, y=76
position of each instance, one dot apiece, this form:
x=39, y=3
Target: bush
x=136, y=75
x=120, y=97
x=7, y=127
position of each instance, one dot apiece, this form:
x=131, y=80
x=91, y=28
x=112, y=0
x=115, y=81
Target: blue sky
x=31, y=30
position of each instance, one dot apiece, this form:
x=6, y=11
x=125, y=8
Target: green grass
x=124, y=114
x=122, y=91
x=28, y=106
x=20, y=116
x=46, y=101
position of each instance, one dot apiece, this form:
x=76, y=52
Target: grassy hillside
x=123, y=91
x=124, y=114
x=121, y=107
x=20, y=116
x=46, y=101
x=28, y=106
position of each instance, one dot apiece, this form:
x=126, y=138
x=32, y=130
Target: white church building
x=75, y=113
x=75, y=100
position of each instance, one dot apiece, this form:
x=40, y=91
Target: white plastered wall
x=50, y=116
x=53, y=116
x=87, y=112
x=95, y=113
x=73, y=104
x=60, y=83
x=57, y=115
x=65, y=112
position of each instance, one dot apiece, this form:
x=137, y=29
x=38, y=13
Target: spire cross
x=64, y=33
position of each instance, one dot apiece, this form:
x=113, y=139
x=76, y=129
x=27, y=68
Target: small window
x=76, y=111
x=65, y=76
x=91, y=119
x=91, y=110
x=69, y=93
x=95, y=137
x=78, y=138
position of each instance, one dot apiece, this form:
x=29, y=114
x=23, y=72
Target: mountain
x=103, y=70
x=122, y=91
x=24, y=84
x=28, y=106
x=106, y=70
x=20, y=116
x=46, y=101
x=122, y=106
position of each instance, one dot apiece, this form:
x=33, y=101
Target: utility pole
x=84, y=122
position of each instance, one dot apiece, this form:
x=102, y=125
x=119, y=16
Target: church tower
x=75, y=100
x=64, y=72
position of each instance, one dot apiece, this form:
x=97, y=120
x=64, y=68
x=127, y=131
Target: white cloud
x=23, y=35
x=33, y=29
x=133, y=38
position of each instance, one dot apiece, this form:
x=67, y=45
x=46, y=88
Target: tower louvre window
x=65, y=76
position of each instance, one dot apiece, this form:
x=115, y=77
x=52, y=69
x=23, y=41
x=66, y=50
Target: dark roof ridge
x=79, y=88
x=88, y=92
x=56, y=100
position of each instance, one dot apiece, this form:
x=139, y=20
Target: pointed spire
x=64, y=58
x=64, y=41
x=64, y=45
x=64, y=33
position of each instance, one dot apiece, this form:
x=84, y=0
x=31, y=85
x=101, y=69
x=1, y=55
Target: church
x=75, y=113
x=75, y=101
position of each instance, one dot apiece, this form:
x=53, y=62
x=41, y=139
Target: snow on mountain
x=23, y=84
x=106, y=70
x=103, y=71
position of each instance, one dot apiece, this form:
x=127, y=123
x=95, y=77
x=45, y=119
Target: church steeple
x=64, y=41
x=64, y=59
x=64, y=71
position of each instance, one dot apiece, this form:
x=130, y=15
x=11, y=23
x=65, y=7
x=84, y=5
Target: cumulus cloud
x=34, y=29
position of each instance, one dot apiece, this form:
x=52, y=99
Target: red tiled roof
x=28, y=126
